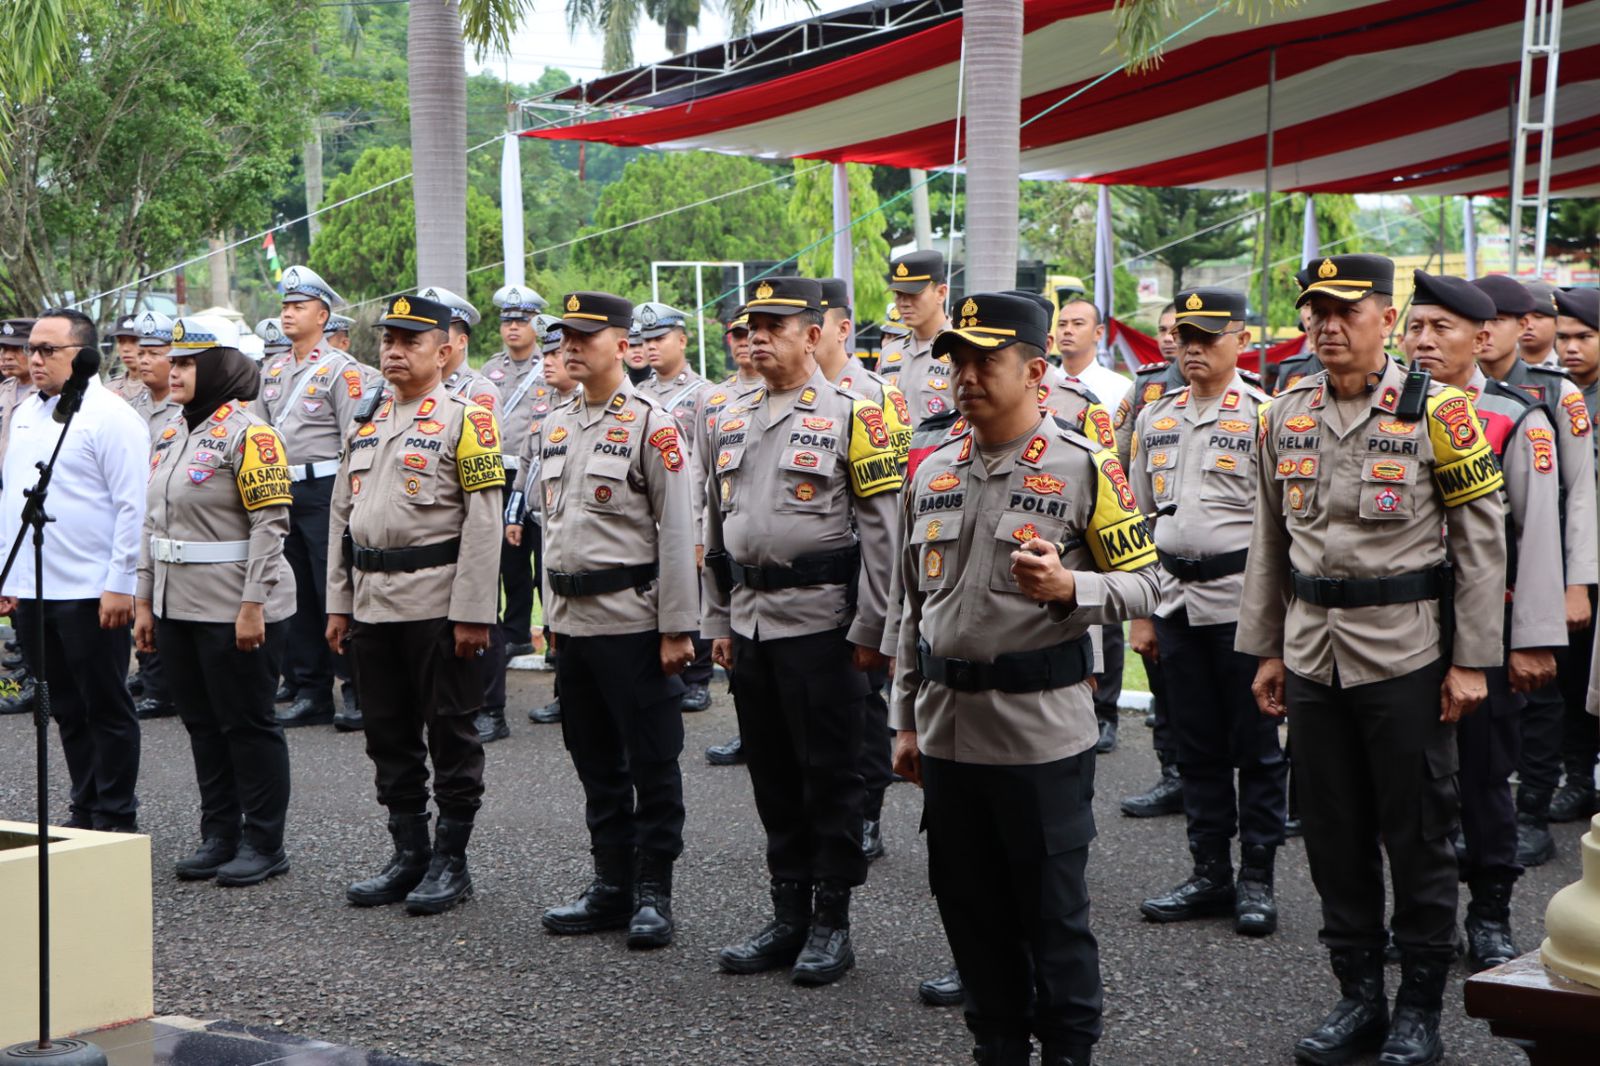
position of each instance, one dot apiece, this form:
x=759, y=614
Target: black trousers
x=516, y=575
x=1375, y=763
x=801, y=707
x=1162, y=737
x=1108, y=685
x=309, y=664
x=1220, y=730
x=1007, y=849
x=877, y=749
x=87, y=669
x=1488, y=740
x=622, y=723
x=699, y=672
x=224, y=696
x=418, y=698
x=153, y=676
x=1539, y=766
x=1580, y=735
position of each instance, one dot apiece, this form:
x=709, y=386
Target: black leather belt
x=1059, y=666
x=1208, y=569
x=1371, y=591
x=823, y=568
x=404, y=560
x=599, y=582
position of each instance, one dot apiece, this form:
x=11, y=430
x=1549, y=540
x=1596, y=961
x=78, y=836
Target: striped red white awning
x=1373, y=96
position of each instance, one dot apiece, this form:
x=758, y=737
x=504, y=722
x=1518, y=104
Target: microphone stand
x=54, y=1052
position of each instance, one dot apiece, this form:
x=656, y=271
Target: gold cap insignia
x=900, y=270
x=764, y=291
x=572, y=302
x=1194, y=303
x=402, y=306
x=1327, y=269
x=177, y=330
x=969, y=308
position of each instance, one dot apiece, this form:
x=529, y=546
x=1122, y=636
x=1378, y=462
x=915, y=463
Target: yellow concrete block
x=100, y=930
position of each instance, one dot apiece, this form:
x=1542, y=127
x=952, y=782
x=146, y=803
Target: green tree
x=749, y=225
x=369, y=248
x=1336, y=227
x=1057, y=224
x=1572, y=227
x=811, y=212
x=1181, y=227
x=149, y=141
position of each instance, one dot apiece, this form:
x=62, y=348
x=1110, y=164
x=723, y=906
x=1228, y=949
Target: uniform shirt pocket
x=1161, y=464
x=1297, y=476
x=550, y=471
x=418, y=476
x=1227, y=478
x=1387, y=487
x=605, y=484
x=937, y=539
x=1013, y=530
x=804, y=476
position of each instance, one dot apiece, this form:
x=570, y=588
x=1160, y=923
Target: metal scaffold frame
x=1541, y=39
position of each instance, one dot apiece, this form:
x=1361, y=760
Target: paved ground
x=485, y=986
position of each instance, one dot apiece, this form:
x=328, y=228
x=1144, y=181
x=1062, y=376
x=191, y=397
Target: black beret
x=1509, y=296
x=591, y=312
x=414, y=313
x=1581, y=304
x=915, y=271
x=1544, y=296
x=997, y=320
x=1349, y=277
x=1209, y=309
x=784, y=296
x=1453, y=294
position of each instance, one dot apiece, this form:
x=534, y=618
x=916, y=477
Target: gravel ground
x=484, y=985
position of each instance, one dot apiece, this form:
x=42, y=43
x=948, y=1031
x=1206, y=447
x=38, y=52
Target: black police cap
x=1581, y=304
x=414, y=313
x=1457, y=295
x=915, y=271
x=127, y=326
x=1348, y=277
x=14, y=332
x=1209, y=309
x=835, y=294
x=1509, y=296
x=784, y=296
x=591, y=312
x=996, y=320
x=1037, y=297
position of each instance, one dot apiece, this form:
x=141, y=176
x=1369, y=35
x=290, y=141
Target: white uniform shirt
x=1108, y=386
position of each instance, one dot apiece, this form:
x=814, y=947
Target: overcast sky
x=543, y=40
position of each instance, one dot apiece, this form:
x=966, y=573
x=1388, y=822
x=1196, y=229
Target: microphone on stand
x=85, y=365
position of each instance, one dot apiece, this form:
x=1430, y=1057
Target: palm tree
x=616, y=20
x=993, y=33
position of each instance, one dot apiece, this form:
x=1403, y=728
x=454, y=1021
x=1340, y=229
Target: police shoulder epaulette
x=1310, y=381
x=1250, y=377
x=1157, y=367
x=1081, y=389
x=1553, y=371
x=1501, y=389
x=1068, y=432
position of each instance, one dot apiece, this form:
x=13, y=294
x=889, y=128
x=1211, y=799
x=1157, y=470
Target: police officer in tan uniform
x=16, y=383
x=1018, y=535
x=215, y=596
x=337, y=332
x=156, y=405
x=124, y=379
x=613, y=489
x=737, y=336
x=1361, y=466
x=1194, y=467
x=310, y=395
x=919, y=282
x=798, y=551
x=273, y=342
x=1444, y=328
x=1539, y=767
x=412, y=550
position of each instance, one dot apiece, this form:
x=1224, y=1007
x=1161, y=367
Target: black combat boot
x=253, y=865
x=780, y=940
x=448, y=882
x=1535, y=845
x=727, y=754
x=1208, y=891
x=828, y=952
x=213, y=853
x=651, y=925
x=606, y=904
x=1255, y=912
x=1054, y=1054
x=1164, y=797
x=943, y=991
x=1489, y=920
x=872, y=839
x=406, y=868
x=1359, y=1021
x=491, y=725
x=1414, y=1033
x=995, y=1050
x=1574, y=801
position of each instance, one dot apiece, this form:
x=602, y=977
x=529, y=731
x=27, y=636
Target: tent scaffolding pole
x=1266, y=208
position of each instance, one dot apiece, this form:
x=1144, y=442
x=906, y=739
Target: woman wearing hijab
x=215, y=595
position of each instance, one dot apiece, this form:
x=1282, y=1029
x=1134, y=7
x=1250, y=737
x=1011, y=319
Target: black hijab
x=220, y=375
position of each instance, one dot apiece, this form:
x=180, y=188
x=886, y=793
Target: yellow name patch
x=1471, y=477
x=1124, y=545
x=874, y=466
x=263, y=477
x=478, y=462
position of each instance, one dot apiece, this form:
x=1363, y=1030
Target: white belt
x=511, y=462
x=199, y=551
x=310, y=471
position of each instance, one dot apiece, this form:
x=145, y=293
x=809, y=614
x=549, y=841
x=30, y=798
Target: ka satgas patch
x=262, y=477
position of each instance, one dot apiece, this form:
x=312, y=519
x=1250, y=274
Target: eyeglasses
x=48, y=351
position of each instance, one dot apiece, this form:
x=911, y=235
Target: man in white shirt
x=91, y=555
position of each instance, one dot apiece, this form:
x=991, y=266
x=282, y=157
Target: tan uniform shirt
x=728, y=390
x=818, y=477
x=963, y=519
x=613, y=490
x=1375, y=498
x=313, y=403
x=1520, y=433
x=1071, y=400
x=1199, y=454
x=129, y=387
x=684, y=397
x=12, y=393
x=908, y=363
x=225, y=481
x=528, y=454
x=157, y=414
x=1563, y=399
x=522, y=388
x=1149, y=384
x=420, y=473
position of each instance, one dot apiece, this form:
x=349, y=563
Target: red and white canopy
x=1370, y=96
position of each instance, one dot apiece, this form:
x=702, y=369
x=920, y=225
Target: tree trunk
x=993, y=33
x=436, y=57
x=921, y=217
x=311, y=154
x=677, y=37
x=217, y=266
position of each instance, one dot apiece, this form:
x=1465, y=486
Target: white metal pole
x=843, y=249
x=1469, y=233
x=700, y=319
